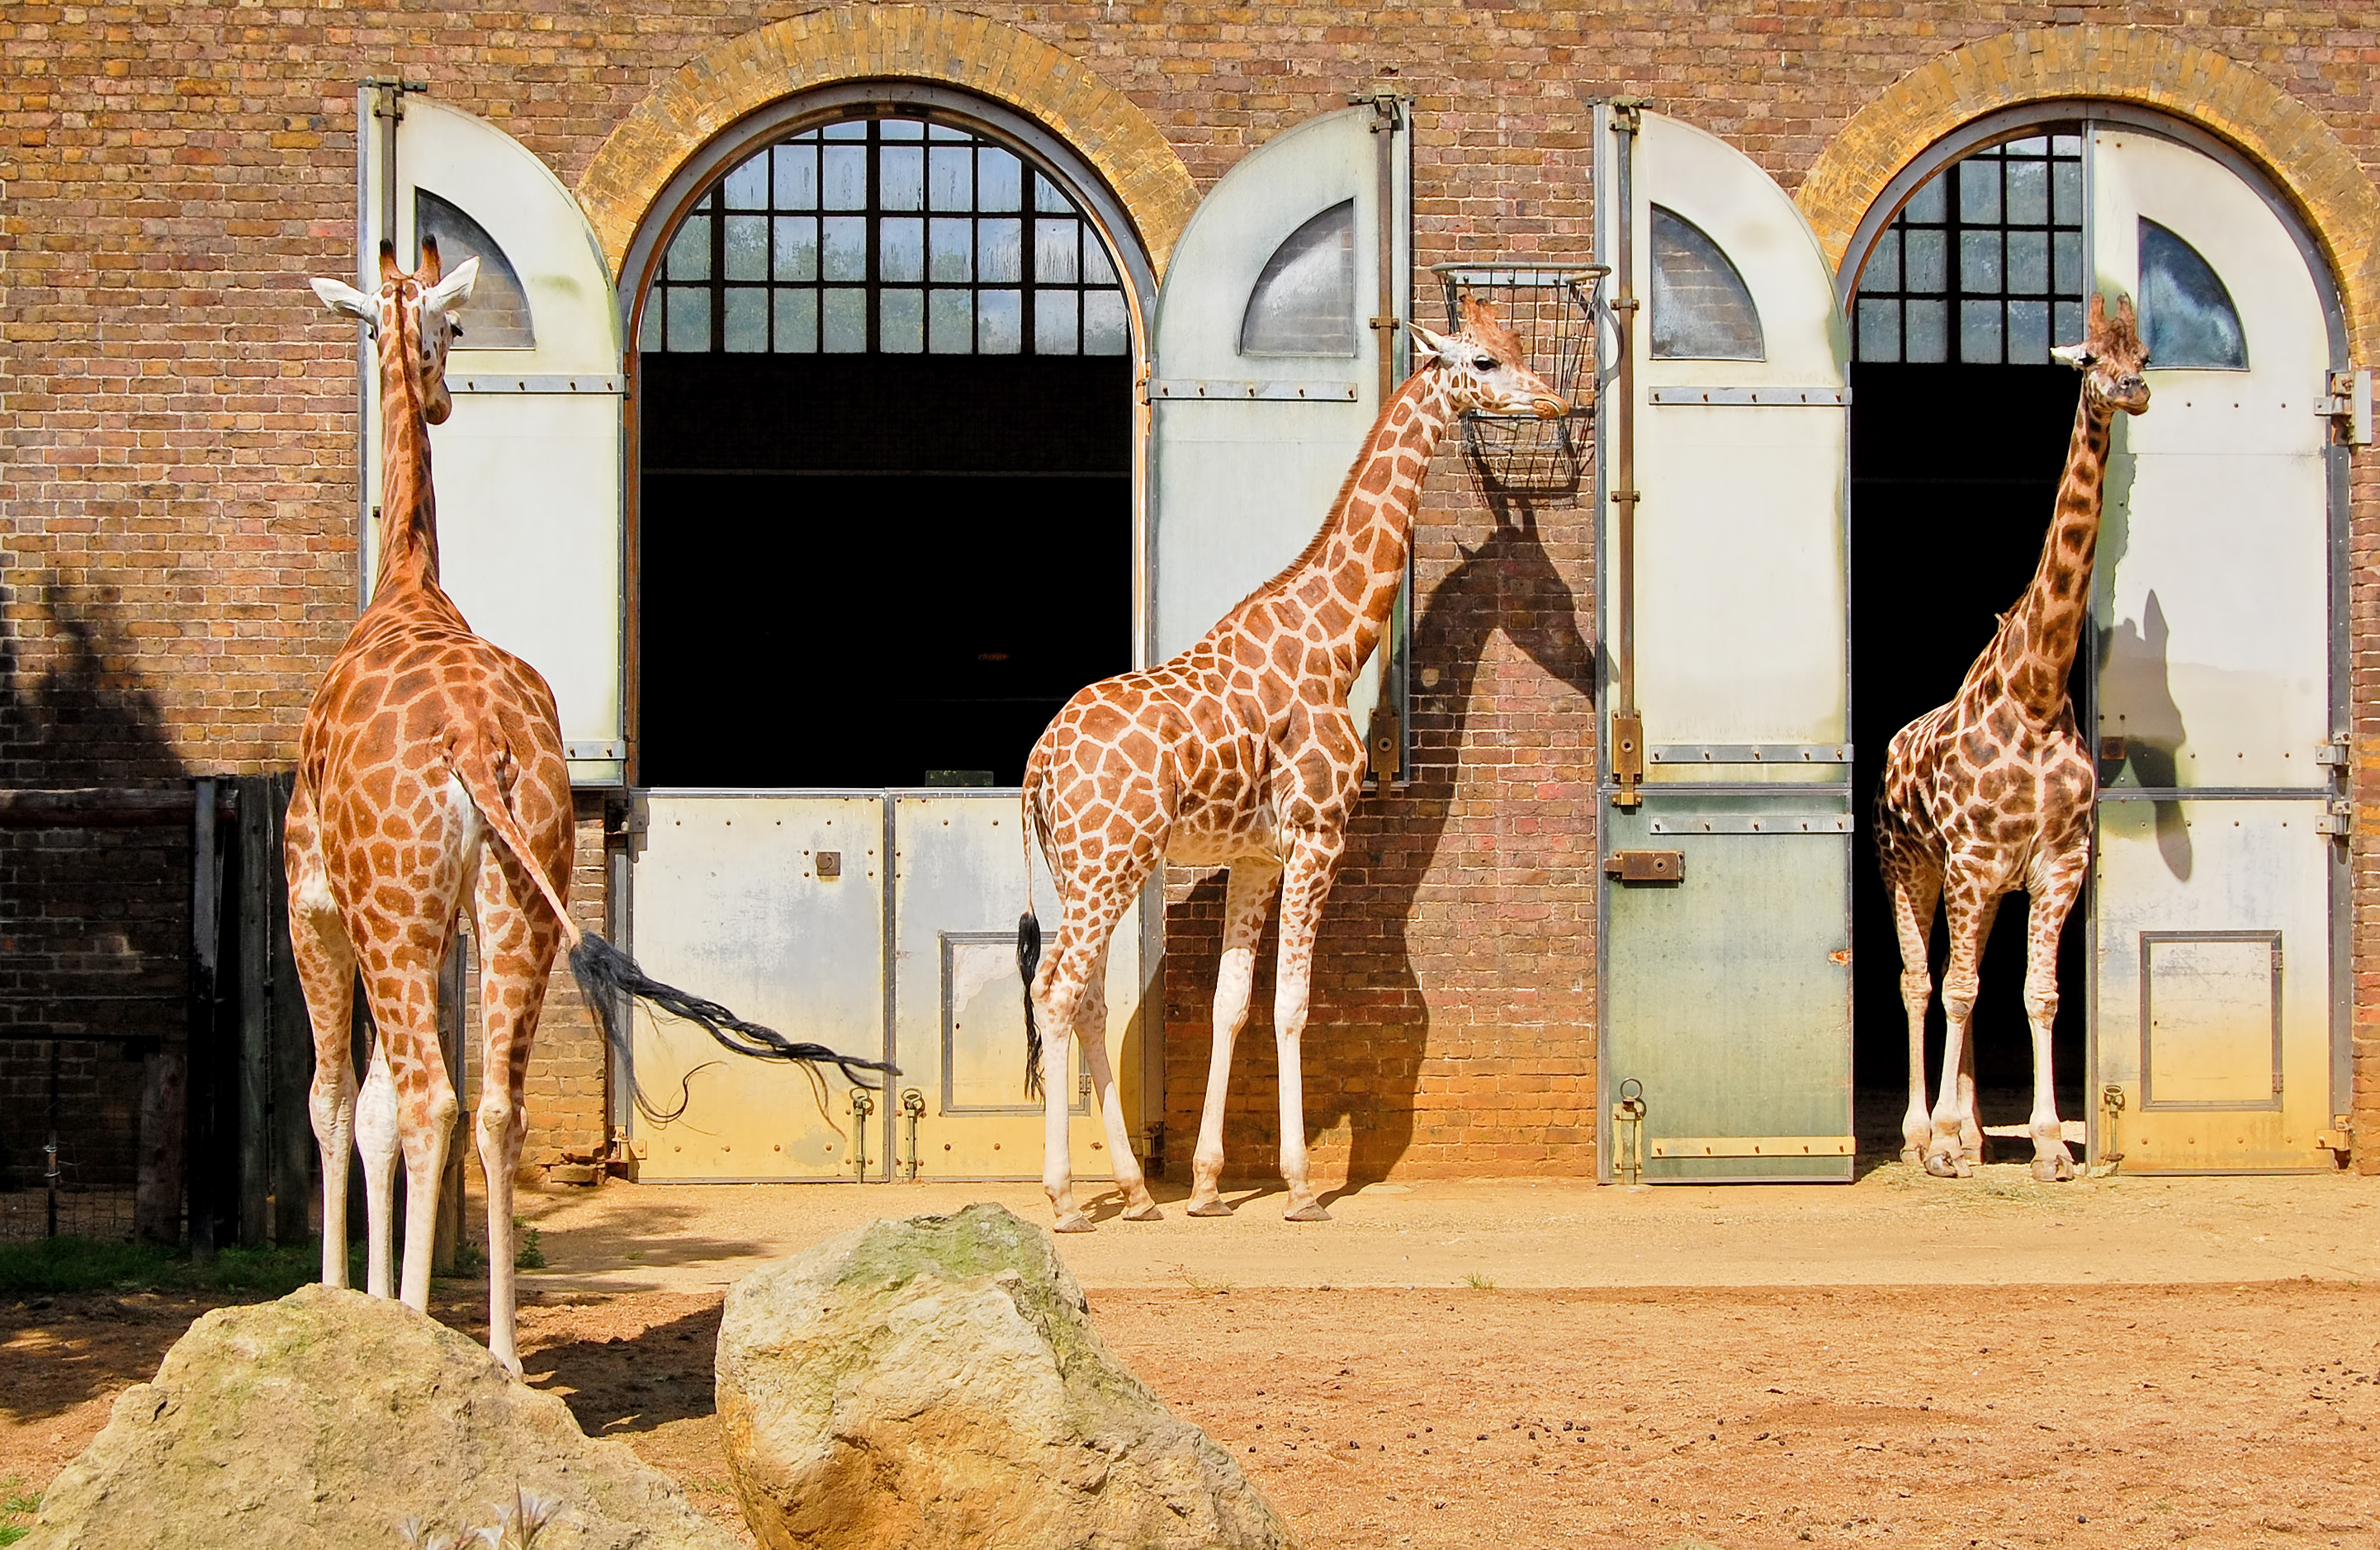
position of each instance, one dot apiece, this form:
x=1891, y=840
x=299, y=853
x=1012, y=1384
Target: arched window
x=1304, y=303
x=1702, y=309
x=2187, y=318
x=499, y=311
x=889, y=236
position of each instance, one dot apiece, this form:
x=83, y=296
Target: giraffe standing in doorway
x=1241, y=753
x=423, y=741
x=1994, y=793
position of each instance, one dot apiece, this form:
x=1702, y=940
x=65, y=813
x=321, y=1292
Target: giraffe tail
x=1028, y=963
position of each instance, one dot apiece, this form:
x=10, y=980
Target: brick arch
x=2292, y=143
x=904, y=43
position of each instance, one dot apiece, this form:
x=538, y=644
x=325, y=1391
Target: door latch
x=1628, y=1131
x=1645, y=867
x=2339, y=1139
x=1388, y=747
x=2347, y=407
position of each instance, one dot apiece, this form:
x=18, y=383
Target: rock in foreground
x=933, y=1383
x=329, y=1418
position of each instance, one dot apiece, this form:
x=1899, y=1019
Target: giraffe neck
x=2038, y=638
x=408, y=507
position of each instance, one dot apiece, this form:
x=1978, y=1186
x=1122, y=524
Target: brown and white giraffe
x=1239, y=752
x=422, y=742
x=1994, y=793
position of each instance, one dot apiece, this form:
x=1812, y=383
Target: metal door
x=1725, y=943
x=1269, y=340
x=527, y=467
x=2218, y=709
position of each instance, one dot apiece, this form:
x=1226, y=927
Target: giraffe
x=423, y=741
x=1239, y=752
x=1993, y=792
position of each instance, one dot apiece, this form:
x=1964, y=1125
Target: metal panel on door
x=773, y=905
x=1726, y=983
x=528, y=465
x=1249, y=448
x=2217, y=707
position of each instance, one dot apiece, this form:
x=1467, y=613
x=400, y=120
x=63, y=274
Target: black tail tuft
x=1028, y=963
x=605, y=975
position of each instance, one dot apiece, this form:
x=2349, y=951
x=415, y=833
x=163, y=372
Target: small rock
x=934, y=1384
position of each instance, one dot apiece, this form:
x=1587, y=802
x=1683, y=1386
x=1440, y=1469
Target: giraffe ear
x=2075, y=355
x=451, y=293
x=1429, y=343
x=339, y=297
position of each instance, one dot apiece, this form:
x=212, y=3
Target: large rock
x=934, y=1383
x=329, y=1418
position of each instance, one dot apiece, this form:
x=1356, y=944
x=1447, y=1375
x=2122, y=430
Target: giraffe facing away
x=1241, y=753
x=424, y=741
x=1994, y=793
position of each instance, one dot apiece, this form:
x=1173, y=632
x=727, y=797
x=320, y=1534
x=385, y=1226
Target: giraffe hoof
x=1208, y=1208
x=1311, y=1211
x=2053, y=1170
x=1074, y=1221
x=1941, y=1165
x=1913, y=1154
x=1148, y=1212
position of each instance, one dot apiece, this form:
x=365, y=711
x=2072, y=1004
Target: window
x=498, y=318
x=2187, y=318
x=1984, y=264
x=889, y=236
x=1304, y=303
x=1702, y=309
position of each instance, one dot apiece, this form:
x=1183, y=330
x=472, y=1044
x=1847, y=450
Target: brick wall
x=177, y=444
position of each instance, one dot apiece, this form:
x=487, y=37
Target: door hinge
x=2340, y=821
x=2339, y=1138
x=2347, y=406
x=2336, y=754
x=1627, y=756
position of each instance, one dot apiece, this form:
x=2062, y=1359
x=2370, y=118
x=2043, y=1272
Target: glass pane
x=1928, y=268
x=500, y=309
x=1880, y=330
x=999, y=180
x=901, y=177
x=1056, y=251
x=689, y=319
x=1927, y=205
x=689, y=251
x=1883, y=271
x=850, y=129
x=901, y=128
x=2187, y=318
x=797, y=176
x=796, y=322
x=943, y=131
x=950, y=250
x=2038, y=145
x=1097, y=267
x=748, y=248
x=747, y=320
x=843, y=173
x=843, y=247
x=2066, y=190
x=797, y=247
x=901, y=252
x=649, y=327
x=1979, y=191
x=1105, y=331
x=1701, y=308
x=950, y=323
x=999, y=322
x=1928, y=337
x=748, y=186
x=2066, y=268
x=1304, y=303
x=950, y=182
x=1000, y=251
x=1979, y=261
x=1053, y=322
x=2028, y=193
x=1048, y=196
x=845, y=322
x=2028, y=332
x=901, y=322
x=1979, y=333
x=2066, y=326
x=2028, y=263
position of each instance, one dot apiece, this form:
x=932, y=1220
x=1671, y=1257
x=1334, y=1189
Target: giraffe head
x=2111, y=357
x=1480, y=365
x=419, y=309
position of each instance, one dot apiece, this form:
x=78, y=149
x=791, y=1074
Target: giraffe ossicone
x=1239, y=753
x=1994, y=793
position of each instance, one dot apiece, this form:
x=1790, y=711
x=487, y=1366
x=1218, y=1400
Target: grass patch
x=1479, y=1282
x=17, y=1503
x=49, y=1266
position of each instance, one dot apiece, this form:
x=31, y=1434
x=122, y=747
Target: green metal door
x=1725, y=940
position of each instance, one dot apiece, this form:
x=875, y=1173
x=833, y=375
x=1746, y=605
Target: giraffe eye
x=1484, y=363
x=454, y=329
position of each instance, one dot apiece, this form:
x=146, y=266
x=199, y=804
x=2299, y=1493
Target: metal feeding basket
x=1551, y=308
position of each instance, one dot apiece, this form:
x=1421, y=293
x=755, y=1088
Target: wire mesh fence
x=1550, y=309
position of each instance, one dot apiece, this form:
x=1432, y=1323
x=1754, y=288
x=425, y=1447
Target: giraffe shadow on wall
x=1369, y=1028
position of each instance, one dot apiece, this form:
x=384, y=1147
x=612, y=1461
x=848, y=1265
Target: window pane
x=951, y=251
x=797, y=176
x=747, y=320
x=1927, y=204
x=2066, y=191
x=1053, y=322
x=999, y=322
x=950, y=323
x=1880, y=330
x=649, y=328
x=2066, y=327
x=2028, y=263
x=689, y=252
x=2037, y=145
x=1048, y=196
x=2028, y=332
x=999, y=179
x=951, y=177
x=901, y=177
x=1927, y=338
x=1000, y=251
x=797, y=248
x=1097, y=267
x=843, y=173
x=1055, y=253
x=748, y=186
x=843, y=247
x=2028, y=193
x=1105, y=330
x=845, y=322
x=796, y=322
x=901, y=252
x=1304, y=303
x=2066, y=252
x=1979, y=191
x=748, y=248
x=1883, y=271
x=1979, y=261
x=2187, y=318
x=1928, y=268
x=1702, y=309
x=500, y=309
x=689, y=319
x=901, y=322
x=901, y=128
x=1979, y=333
x=850, y=129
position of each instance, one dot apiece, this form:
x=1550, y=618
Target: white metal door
x=528, y=467
x=2215, y=701
x=1726, y=977
x=1266, y=374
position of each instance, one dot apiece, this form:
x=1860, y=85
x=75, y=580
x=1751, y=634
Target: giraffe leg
x=517, y=938
x=1308, y=883
x=409, y=1104
x=1058, y=994
x=376, y=1142
x=1947, y=1154
x=2052, y=1163
x=326, y=972
x=1916, y=891
x=1247, y=900
x=1091, y=1027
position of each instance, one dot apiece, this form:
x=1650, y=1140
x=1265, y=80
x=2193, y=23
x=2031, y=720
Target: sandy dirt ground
x=1981, y=1362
